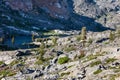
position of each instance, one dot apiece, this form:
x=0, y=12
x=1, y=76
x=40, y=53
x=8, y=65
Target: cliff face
x=60, y=14
x=95, y=8
x=106, y=12
x=24, y=5
x=56, y=8
x=59, y=8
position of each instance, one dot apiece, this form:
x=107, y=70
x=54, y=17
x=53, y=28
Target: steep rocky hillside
x=59, y=39
x=65, y=58
x=56, y=14
x=105, y=12
x=55, y=8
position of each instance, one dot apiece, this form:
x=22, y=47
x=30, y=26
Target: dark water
x=21, y=42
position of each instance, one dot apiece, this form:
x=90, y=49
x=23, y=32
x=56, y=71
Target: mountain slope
x=58, y=14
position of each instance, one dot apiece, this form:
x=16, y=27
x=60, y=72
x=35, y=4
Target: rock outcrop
x=96, y=8
x=102, y=11
x=56, y=8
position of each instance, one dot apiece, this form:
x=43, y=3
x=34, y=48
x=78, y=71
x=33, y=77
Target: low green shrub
x=1, y=62
x=6, y=73
x=54, y=40
x=63, y=74
x=39, y=62
x=95, y=63
x=97, y=71
x=63, y=60
x=110, y=60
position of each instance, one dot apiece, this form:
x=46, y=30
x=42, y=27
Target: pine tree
x=42, y=49
x=1, y=40
x=54, y=40
x=33, y=37
x=83, y=34
x=13, y=40
x=111, y=36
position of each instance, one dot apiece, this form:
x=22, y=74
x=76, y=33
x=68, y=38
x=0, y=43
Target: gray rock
x=95, y=8
x=36, y=74
x=19, y=76
x=22, y=53
x=27, y=71
x=59, y=53
x=19, y=53
x=80, y=76
x=54, y=61
x=51, y=77
x=9, y=61
x=102, y=67
x=115, y=64
x=118, y=49
x=16, y=66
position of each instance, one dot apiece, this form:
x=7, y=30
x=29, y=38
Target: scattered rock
x=27, y=71
x=51, y=77
x=9, y=61
x=102, y=67
x=59, y=53
x=36, y=74
x=21, y=53
x=118, y=49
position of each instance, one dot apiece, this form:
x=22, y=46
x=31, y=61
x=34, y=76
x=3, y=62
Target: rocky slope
x=65, y=58
x=43, y=40
x=55, y=8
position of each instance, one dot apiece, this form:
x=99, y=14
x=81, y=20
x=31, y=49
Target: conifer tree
x=13, y=40
x=111, y=36
x=83, y=34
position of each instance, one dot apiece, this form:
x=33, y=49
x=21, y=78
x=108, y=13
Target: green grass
x=28, y=78
x=14, y=62
x=51, y=32
x=81, y=56
x=117, y=70
x=112, y=77
x=69, y=49
x=109, y=60
x=97, y=71
x=70, y=66
x=39, y=62
x=78, y=37
x=63, y=74
x=54, y=40
x=1, y=62
x=106, y=42
x=95, y=63
x=42, y=60
x=118, y=33
x=90, y=40
x=41, y=49
x=111, y=36
x=63, y=60
x=6, y=73
x=91, y=56
x=38, y=39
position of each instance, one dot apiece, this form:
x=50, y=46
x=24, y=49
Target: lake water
x=19, y=42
